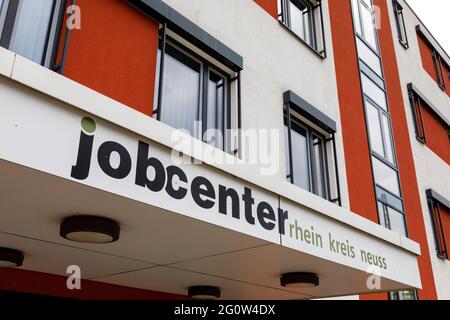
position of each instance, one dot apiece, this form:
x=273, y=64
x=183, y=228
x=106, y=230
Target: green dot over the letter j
x=88, y=124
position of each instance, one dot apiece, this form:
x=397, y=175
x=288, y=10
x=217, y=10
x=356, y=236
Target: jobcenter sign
x=66, y=142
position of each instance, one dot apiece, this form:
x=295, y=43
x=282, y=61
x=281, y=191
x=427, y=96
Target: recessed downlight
x=10, y=258
x=204, y=292
x=89, y=229
x=299, y=280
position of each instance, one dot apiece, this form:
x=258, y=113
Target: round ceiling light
x=299, y=280
x=90, y=229
x=10, y=258
x=204, y=293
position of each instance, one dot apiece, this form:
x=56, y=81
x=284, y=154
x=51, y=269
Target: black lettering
x=224, y=194
x=249, y=202
x=143, y=163
x=265, y=212
x=180, y=192
x=80, y=171
x=104, y=160
x=202, y=187
x=282, y=217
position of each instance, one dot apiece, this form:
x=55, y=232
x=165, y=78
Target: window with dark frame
x=419, y=104
x=195, y=95
x=31, y=28
x=305, y=19
x=404, y=295
x=400, y=22
x=437, y=61
x=436, y=205
x=308, y=156
x=416, y=105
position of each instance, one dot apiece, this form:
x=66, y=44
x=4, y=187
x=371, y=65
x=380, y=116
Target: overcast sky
x=435, y=14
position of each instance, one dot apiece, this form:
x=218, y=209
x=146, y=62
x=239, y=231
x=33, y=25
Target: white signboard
x=50, y=136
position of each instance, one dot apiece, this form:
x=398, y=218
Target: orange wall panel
x=426, y=53
x=114, y=52
x=356, y=145
x=271, y=6
x=408, y=179
x=19, y=280
x=436, y=135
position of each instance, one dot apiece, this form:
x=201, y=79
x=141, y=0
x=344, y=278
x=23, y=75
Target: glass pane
x=318, y=163
x=407, y=295
x=373, y=91
x=300, y=158
x=181, y=91
x=367, y=2
x=401, y=24
x=369, y=26
x=373, y=120
x=300, y=20
x=383, y=215
x=356, y=20
x=215, y=112
x=385, y=177
x=391, y=219
x=369, y=57
x=403, y=295
x=31, y=29
x=388, y=198
x=397, y=221
x=388, y=139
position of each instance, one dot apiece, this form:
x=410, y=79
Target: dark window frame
x=418, y=101
x=285, y=20
x=297, y=125
x=361, y=36
x=166, y=42
x=49, y=54
x=437, y=62
x=294, y=105
x=400, y=23
x=435, y=201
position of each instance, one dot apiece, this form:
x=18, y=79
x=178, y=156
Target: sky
x=435, y=14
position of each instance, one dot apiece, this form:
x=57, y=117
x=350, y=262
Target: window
x=404, y=295
x=427, y=118
x=308, y=157
x=391, y=211
x=304, y=19
x=195, y=96
x=440, y=216
x=309, y=144
x=416, y=104
x=29, y=28
x=400, y=22
x=364, y=22
x=438, y=69
x=379, y=131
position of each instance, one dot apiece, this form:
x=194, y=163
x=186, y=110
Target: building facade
x=241, y=149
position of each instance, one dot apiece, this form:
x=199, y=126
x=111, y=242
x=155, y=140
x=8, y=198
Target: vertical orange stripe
x=414, y=214
x=271, y=6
